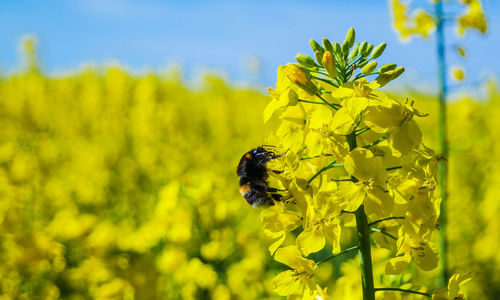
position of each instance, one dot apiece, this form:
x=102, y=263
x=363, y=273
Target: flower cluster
x=351, y=149
x=422, y=22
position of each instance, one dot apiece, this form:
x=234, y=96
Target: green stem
x=443, y=166
x=338, y=254
x=358, y=132
x=318, y=156
x=332, y=105
x=359, y=122
x=380, y=140
x=326, y=167
x=383, y=232
x=403, y=290
x=319, y=72
x=363, y=233
x=394, y=168
x=344, y=179
x=385, y=219
x=313, y=102
x=359, y=76
x=325, y=80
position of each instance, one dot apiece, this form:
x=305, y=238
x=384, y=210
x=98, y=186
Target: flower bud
x=345, y=48
x=319, y=57
x=354, y=52
x=300, y=77
x=305, y=60
x=329, y=64
x=397, y=72
x=387, y=67
x=368, y=69
x=378, y=50
x=327, y=45
x=368, y=50
x=362, y=48
x=349, y=38
x=383, y=79
x=316, y=47
x=337, y=49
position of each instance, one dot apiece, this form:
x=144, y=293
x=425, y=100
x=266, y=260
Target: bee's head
x=260, y=152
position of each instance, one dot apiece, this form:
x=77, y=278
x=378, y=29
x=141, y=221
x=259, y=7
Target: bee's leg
x=273, y=190
x=279, y=155
x=285, y=199
x=276, y=197
x=276, y=171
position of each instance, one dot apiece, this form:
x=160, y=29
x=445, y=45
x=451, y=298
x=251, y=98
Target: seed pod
x=305, y=60
x=368, y=69
x=329, y=64
x=387, y=67
x=350, y=36
x=378, y=50
x=316, y=47
x=327, y=45
x=300, y=77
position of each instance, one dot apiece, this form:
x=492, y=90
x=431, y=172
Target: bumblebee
x=253, y=175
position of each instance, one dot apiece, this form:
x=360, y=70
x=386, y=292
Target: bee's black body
x=253, y=175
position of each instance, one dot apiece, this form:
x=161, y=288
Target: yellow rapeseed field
x=120, y=186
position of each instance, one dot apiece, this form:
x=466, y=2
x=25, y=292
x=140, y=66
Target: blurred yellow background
x=120, y=186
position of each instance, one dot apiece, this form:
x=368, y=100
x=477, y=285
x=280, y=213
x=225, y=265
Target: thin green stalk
x=394, y=168
x=443, y=140
x=319, y=72
x=338, y=254
x=326, y=167
x=332, y=105
x=325, y=80
x=363, y=233
x=403, y=290
x=380, y=140
x=313, y=102
x=343, y=179
x=383, y=232
x=359, y=76
x=318, y=156
x=385, y=219
x=360, y=131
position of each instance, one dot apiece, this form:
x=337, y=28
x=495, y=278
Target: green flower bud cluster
x=347, y=62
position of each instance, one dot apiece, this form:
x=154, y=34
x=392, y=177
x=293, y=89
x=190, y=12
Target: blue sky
x=224, y=36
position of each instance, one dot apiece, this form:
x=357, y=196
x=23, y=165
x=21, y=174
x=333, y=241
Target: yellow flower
x=323, y=219
x=424, y=254
x=474, y=18
x=458, y=73
x=420, y=23
x=282, y=97
x=424, y=23
x=391, y=117
x=451, y=291
x=295, y=280
x=370, y=190
x=276, y=222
